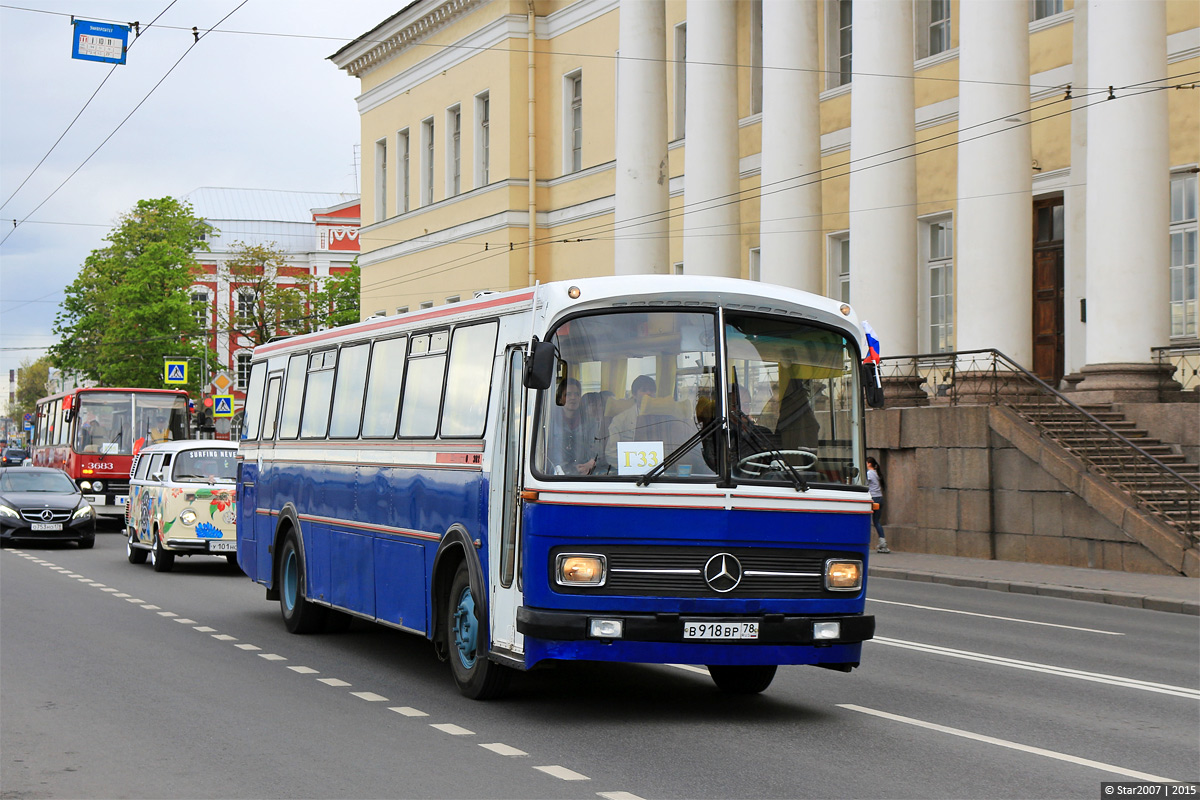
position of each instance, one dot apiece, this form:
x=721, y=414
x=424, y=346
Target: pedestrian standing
x=875, y=485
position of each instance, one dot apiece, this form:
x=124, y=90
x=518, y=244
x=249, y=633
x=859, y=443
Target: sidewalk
x=1156, y=592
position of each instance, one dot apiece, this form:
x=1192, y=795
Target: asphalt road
x=116, y=681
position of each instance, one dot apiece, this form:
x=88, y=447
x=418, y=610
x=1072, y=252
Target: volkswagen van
x=182, y=502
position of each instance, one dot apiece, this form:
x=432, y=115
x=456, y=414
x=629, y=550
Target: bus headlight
x=843, y=575
x=97, y=486
x=580, y=569
x=188, y=517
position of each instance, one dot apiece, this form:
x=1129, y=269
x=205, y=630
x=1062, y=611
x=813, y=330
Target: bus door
x=504, y=515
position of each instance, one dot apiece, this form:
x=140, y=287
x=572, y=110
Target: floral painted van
x=182, y=502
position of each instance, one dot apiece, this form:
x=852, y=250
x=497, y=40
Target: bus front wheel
x=476, y=676
x=299, y=615
x=742, y=679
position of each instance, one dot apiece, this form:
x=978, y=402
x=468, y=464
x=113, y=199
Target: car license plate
x=718, y=629
x=122, y=499
x=46, y=526
x=222, y=546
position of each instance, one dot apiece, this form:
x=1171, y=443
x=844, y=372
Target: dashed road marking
x=122, y=594
x=167, y=614
x=618, y=796
x=272, y=657
x=74, y=575
x=503, y=749
x=408, y=711
x=370, y=697
x=204, y=629
x=305, y=670
x=186, y=621
x=224, y=637
x=151, y=607
x=244, y=646
x=134, y=600
x=110, y=589
x=333, y=682
x=452, y=729
x=562, y=773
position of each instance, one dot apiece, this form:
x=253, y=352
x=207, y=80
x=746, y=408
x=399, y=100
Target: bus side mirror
x=539, y=369
x=872, y=386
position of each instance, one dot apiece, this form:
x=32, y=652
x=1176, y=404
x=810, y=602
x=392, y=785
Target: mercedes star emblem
x=47, y=515
x=723, y=572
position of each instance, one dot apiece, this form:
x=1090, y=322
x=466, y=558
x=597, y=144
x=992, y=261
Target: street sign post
x=174, y=372
x=99, y=41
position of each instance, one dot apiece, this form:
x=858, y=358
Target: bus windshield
x=118, y=423
x=778, y=406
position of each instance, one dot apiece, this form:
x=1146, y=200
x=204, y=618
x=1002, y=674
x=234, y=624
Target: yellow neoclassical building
x=1016, y=174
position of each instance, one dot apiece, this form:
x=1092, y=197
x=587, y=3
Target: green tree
x=130, y=308
x=269, y=297
x=33, y=383
x=337, y=300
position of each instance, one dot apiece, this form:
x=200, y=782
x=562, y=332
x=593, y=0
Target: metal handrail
x=1185, y=357
x=1135, y=459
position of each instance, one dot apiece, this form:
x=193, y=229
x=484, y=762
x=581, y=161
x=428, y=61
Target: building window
x=483, y=138
x=842, y=43
x=755, y=264
x=839, y=267
x=1184, y=314
x=454, y=299
x=403, y=176
x=677, y=268
x=243, y=371
x=426, y=304
x=402, y=309
x=454, y=151
x=680, y=80
x=381, y=180
x=200, y=308
x=1040, y=9
x=573, y=91
x=756, y=56
x=244, y=310
x=938, y=36
x=427, y=165
x=940, y=265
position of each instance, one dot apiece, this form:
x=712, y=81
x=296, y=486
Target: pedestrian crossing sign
x=175, y=372
x=222, y=405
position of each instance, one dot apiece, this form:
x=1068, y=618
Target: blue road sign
x=222, y=405
x=99, y=41
x=175, y=372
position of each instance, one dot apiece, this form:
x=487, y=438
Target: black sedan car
x=13, y=456
x=40, y=504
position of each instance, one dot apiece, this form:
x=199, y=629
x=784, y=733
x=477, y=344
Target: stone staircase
x=1156, y=476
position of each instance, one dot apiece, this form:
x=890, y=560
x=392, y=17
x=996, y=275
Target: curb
x=1127, y=599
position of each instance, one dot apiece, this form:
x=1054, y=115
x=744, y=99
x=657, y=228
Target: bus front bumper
x=669, y=628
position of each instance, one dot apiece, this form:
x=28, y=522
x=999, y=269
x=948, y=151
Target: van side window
x=348, y=391
x=142, y=468
x=293, y=397
x=469, y=380
x=423, y=384
x=156, y=461
x=318, y=394
x=383, y=388
x=252, y=416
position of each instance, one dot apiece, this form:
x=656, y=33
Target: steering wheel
x=756, y=467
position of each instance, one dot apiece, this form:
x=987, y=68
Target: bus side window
x=423, y=385
x=252, y=416
x=293, y=397
x=318, y=394
x=271, y=408
x=383, y=388
x=348, y=391
x=468, y=380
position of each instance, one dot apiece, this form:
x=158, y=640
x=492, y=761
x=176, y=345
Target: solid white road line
x=1084, y=762
x=1048, y=669
x=993, y=616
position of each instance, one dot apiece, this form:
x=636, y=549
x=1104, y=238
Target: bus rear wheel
x=742, y=679
x=299, y=615
x=476, y=676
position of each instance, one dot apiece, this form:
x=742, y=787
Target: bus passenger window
x=423, y=386
x=318, y=394
x=254, y=396
x=348, y=392
x=293, y=397
x=469, y=380
x=383, y=388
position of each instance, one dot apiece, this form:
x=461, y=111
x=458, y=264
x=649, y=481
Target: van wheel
x=742, y=679
x=161, y=559
x=299, y=615
x=476, y=676
x=136, y=555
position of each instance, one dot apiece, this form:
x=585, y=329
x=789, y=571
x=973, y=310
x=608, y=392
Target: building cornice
x=415, y=24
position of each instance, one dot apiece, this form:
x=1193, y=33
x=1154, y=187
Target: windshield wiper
x=712, y=426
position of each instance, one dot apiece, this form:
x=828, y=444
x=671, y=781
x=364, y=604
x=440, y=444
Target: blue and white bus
x=661, y=469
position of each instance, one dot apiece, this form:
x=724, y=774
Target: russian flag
x=872, y=344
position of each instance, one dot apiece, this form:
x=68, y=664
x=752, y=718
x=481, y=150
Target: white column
x=994, y=270
x=1075, y=208
x=883, y=183
x=791, y=147
x=710, y=224
x=1128, y=293
x=642, y=175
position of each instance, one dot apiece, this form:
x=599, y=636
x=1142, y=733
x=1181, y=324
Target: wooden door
x=1048, y=310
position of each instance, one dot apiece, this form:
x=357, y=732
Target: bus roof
x=83, y=389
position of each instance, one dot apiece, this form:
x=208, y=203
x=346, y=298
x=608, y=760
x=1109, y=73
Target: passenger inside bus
x=575, y=441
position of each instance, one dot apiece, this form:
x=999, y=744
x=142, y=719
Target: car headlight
x=8, y=511
x=842, y=575
x=188, y=517
x=580, y=569
x=85, y=486
x=84, y=510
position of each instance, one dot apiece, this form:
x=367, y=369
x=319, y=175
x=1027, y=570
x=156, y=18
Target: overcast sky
x=254, y=104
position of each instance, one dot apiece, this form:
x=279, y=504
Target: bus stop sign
x=99, y=41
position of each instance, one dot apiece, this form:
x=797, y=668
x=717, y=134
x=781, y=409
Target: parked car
x=182, y=502
x=13, y=457
x=41, y=504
